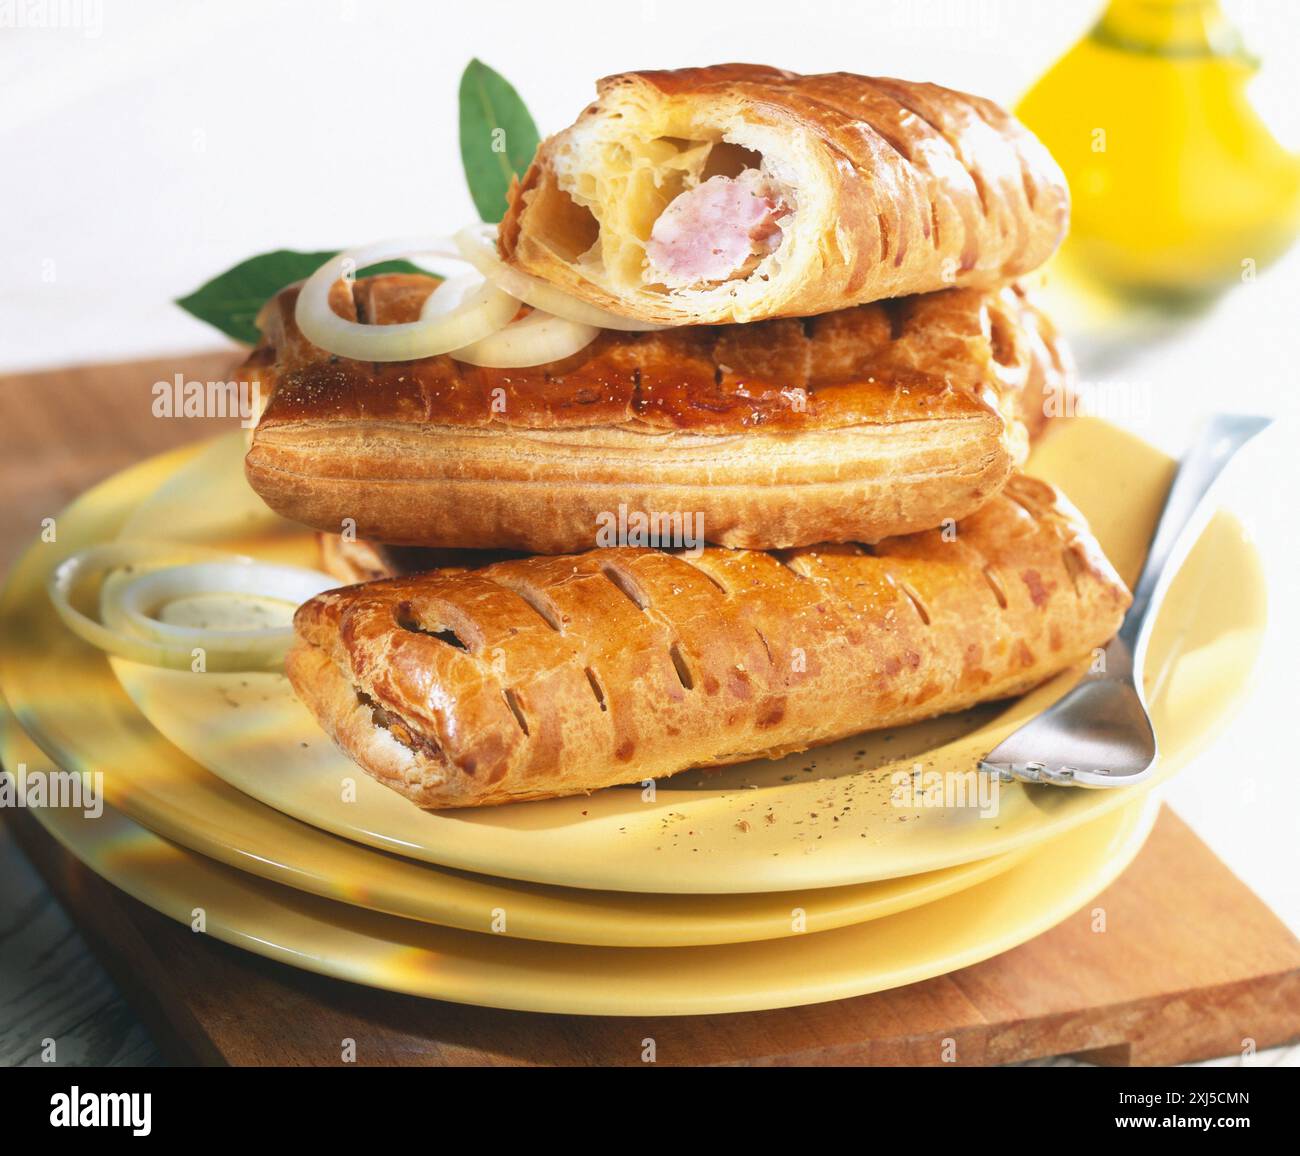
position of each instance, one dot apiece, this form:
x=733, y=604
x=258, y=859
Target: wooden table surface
x=61, y=432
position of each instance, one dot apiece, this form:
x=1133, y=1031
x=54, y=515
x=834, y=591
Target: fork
x=1102, y=726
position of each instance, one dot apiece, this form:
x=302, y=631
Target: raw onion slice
x=479, y=309
x=66, y=586
x=477, y=244
x=138, y=602
x=137, y=580
x=537, y=339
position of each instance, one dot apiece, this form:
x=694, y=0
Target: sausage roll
x=852, y=426
x=738, y=192
x=541, y=677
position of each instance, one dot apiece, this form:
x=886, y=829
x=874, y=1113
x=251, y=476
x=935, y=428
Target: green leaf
x=497, y=141
x=232, y=301
x=497, y=137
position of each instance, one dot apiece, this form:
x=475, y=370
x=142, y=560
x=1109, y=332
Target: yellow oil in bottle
x=1177, y=185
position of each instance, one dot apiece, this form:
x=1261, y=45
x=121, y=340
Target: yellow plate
x=175, y=798
x=97, y=728
x=822, y=819
x=351, y=943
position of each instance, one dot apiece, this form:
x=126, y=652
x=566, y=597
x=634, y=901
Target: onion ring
x=537, y=339
x=479, y=309
x=477, y=245
x=138, y=577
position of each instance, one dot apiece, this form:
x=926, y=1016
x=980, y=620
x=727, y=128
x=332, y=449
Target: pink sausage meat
x=715, y=230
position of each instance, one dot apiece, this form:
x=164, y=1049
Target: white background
x=146, y=146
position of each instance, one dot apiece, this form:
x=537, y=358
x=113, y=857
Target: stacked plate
x=816, y=877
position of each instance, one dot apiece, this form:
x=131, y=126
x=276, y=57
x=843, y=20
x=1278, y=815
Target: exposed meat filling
x=719, y=230
x=395, y=726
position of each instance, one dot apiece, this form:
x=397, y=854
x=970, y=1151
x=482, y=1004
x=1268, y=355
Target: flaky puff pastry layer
x=853, y=426
x=892, y=187
x=541, y=677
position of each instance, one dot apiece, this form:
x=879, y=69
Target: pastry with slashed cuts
x=539, y=677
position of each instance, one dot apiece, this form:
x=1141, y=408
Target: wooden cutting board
x=1191, y=965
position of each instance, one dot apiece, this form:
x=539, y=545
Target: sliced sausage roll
x=738, y=192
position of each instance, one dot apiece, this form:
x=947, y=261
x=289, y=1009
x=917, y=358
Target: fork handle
x=1181, y=520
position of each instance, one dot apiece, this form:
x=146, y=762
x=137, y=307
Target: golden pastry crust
x=541, y=677
x=883, y=188
x=351, y=560
x=853, y=426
